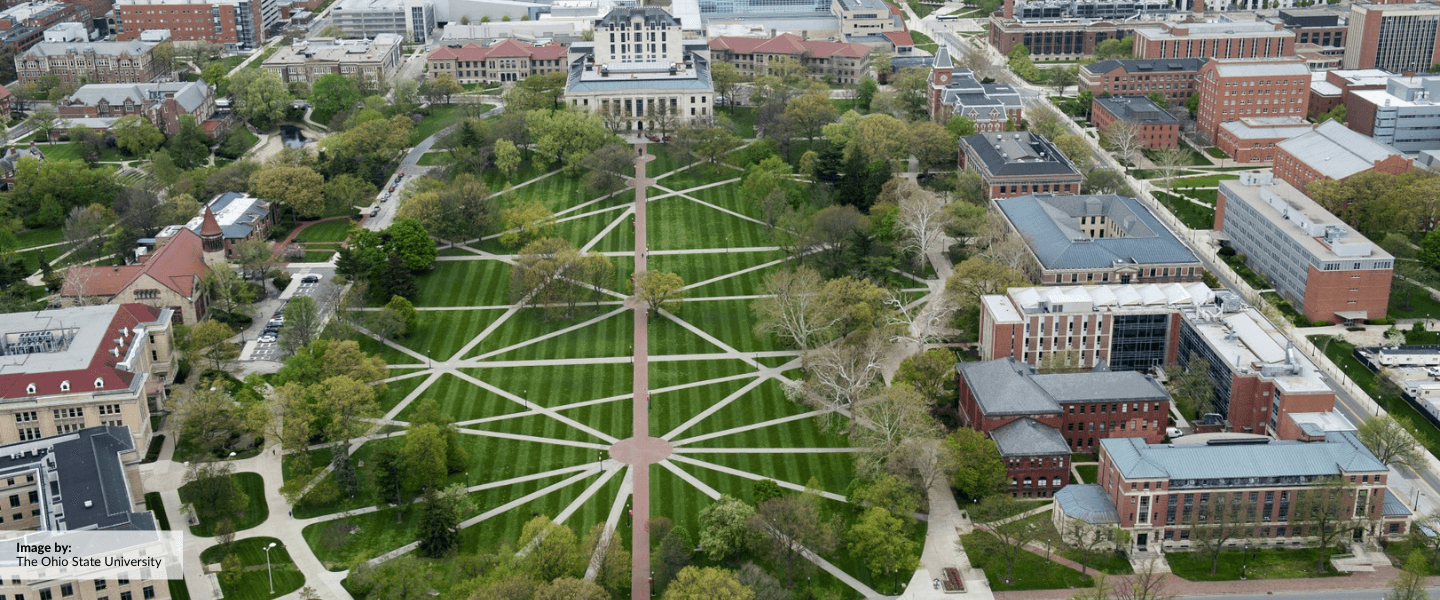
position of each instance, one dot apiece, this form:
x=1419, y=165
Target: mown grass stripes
x=465, y=283
x=461, y=400
x=676, y=223
x=557, y=385
x=609, y=337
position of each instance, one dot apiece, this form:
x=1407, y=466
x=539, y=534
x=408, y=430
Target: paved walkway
x=943, y=550
x=641, y=452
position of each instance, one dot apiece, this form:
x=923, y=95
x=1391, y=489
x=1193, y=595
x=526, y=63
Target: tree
x=960, y=126
x=1076, y=149
x=1390, y=442
x=344, y=469
x=212, y=420
x=210, y=340
x=831, y=232
x=725, y=76
x=1021, y=63
x=659, y=289
x=567, y=135
x=931, y=373
x=707, y=144
x=533, y=93
x=507, y=157
x=407, y=239
x=607, y=167
x=707, y=583
x=302, y=324
x=297, y=188
x=887, y=419
x=212, y=493
x=981, y=276
x=791, y=525
x=553, y=552
x=345, y=191
x=389, y=477
x=932, y=144
x=792, y=307
x=1105, y=181
x=1410, y=583
x=190, y=146
x=673, y=550
x=424, y=455
x=981, y=471
x=1014, y=534
x=1114, y=48
x=1422, y=537
x=1123, y=138
x=1169, y=161
x=878, y=137
x=1085, y=539
x=1061, y=78
x=760, y=582
x=841, y=373
x=865, y=92
x=1332, y=509
x=84, y=230
x=404, y=309
x=439, y=532
x=725, y=528
x=881, y=539
x=1046, y=122
x=923, y=219
x=260, y=96
x=333, y=94
x=526, y=222
x=1227, y=516
x=404, y=577
x=570, y=588
x=811, y=112
x=440, y=86
x=1192, y=385
x=45, y=118
x=136, y=135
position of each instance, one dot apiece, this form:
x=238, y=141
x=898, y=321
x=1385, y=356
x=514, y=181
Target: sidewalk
x=943, y=550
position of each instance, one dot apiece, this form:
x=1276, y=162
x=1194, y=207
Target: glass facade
x=1138, y=342
x=1191, y=342
x=770, y=7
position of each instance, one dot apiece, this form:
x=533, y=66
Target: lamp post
x=267, y=566
x=1245, y=567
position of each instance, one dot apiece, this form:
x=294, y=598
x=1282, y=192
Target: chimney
x=1198, y=7
x=1009, y=9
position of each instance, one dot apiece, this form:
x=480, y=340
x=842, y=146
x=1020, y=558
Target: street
x=325, y=293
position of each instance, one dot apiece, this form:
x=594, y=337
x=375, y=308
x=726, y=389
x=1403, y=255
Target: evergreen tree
x=345, y=471
x=396, y=279
x=439, y=525
x=389, y=477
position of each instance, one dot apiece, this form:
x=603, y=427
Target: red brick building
x=1334, y=152
x=1018, y=163
x=96, y=62
x=1255, y=140
x=1251, y=39
x=993, y=107
x=504, y=61
x=1120, y=327
x=162, y=103
x=1175, y=78
x=1067, y=39
x=238, y=23
x=1231, y=90
x=1159, y=491
x=1336, y=88
x=1038, y=420
x=1313, y=259
x=1158, y=128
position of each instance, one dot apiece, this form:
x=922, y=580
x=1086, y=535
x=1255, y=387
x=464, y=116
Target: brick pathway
x=278, y=251
x=1174, y=585
x=641, y=450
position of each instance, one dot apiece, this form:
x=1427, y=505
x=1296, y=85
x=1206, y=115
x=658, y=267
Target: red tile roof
x=103, y=365
x=4, y=92
x=509, y=48
x=176, y=265
x=900, y=38
x=209, y=227
x=788, y=43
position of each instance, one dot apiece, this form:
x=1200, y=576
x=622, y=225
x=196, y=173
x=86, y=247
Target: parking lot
x=323, y=291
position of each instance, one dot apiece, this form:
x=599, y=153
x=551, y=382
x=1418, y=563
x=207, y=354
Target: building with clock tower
x=992, y=106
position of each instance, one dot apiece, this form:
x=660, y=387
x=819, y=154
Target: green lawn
x=1192, y=215
x=439, y=117
x=1032, y=571
x=1193, y=157
x=608, y=337
x=1268, y=563
x=435, y=158
x=732, y=322
x=1208, y=181
x=1216, y=152
x=255, y=583
x=39, y=237
x=326, y=231
x=1409, y=301
x=1089, y=473
x=553, y=386
x=255, y=511
x=465, y=283
x=439, y=334
x=1343, y=355
x=154, y=503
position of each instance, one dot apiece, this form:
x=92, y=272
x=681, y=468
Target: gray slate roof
x=1088, y=503
x=1137, y=109
x=87, y=465
x=1007, y=387
x=190, y=95
x=1018, y=154
x=1337, y=151
x=1394, y=506
x=978, y=101
x=132, y=48
x=653, y=16
x=619, y=82
x=1050, y=226
x=1028, y=437
x=1340, y=453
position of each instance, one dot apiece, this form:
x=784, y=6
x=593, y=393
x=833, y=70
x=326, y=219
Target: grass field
x=39, y=237
x=1192, y=215
x=255, y=511
x=506, y=383
x=1269, y=563
x=326, y=231
x=255, y=583
x=153, y=502
x=1089, y=473
x=1031, y=572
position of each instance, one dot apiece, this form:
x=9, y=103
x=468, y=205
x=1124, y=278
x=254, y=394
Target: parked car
x=310, y=279
x=652, y=137
x=374, y=211
x=275, y=322
x=392, y=189
x=267, y=338
x=1173, y=432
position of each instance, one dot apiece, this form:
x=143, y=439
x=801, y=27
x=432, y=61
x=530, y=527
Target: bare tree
x=1148, y=583
x=1169, y=161
x=1219, y=518
x=1390, y=442
x=930, y=459
x=924, y=218
x=793, y=308
x=1123, y=138
x=1085, y=539
x=1331, y=508
x=84, y=228
x=996, y=512
x=77, y=283
x=886, y=420
x=615, y=117
x=919, y=322
x=841, y=373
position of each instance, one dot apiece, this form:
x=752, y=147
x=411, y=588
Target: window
x=67, y=590
x=148, y=592
x=14, y=500
x=99, y=584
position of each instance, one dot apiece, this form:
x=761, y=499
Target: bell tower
x=941, y=75
x=212, y=239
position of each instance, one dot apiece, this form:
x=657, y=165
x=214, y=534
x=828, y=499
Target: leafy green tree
x=1410, y=583
x=981, y=472
x=673, y=551
x=526, y=222
x=888, y=492
x=212, y=492
x=260, y=96
x=45, y=192
x=725, y=528
x=707, y=583
x=507, y=157
x=297, y=188
x=1114, y=48
x=554, y=551
x=406, y=310
x=190, y=146
x=407, y=239
x=659, y=289
x=302, y=324
x=404, y=577
x=333, y=94
x=570, y=588
x=389, y=477
x=567, y=135
x=396, y=279
x=865, y=92
x=441, y=86
x=210, y=340
x=344, y=469
x=725, y=76
x=882, y=540
x=1390, y=441
x=345, y=191
x=932, y=373
x=960, y=126
x=440, y=516
x=537, y=93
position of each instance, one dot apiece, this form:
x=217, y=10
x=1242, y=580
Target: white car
x=1173, y=432
x=268, y=338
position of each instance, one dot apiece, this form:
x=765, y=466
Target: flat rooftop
x=1251, y=344
x=1220, y=29
x=1301, y=219
x=1261, y=128
x=1190, y=465
x=1109, y=297
x=64, y=339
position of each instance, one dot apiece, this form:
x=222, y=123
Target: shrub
x=1226, y=251
x=1321, y=323
x=182, y=372
x=281, y=280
